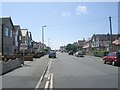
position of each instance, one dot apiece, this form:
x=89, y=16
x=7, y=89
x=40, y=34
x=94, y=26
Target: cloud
x=65, y=14
x=81, y=9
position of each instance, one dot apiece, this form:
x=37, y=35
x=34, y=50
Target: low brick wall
x=9, y=65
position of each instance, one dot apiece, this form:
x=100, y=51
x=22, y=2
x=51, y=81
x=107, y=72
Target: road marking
x=51, y=82
x=47, y=85
x=47, y=73
x=42, y=77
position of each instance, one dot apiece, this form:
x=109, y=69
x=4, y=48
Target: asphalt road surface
x=83, y=72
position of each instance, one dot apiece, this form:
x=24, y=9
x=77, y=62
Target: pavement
x=27, y=76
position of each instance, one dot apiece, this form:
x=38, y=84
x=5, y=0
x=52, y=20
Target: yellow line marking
x=46, y=85
x=51, y=82
x=40, y=80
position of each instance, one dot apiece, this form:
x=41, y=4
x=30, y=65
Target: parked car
x=79, y=54
x=52, y=54
x=113, y=58
x=70, y=52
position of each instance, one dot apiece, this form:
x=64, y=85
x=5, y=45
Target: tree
x=71, y=47
x=74, y=48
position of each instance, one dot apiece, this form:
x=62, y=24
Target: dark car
x=70, y=53
x=52, y=54
x=113, y=58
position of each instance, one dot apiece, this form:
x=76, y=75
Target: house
x=81, y=42
x=102, y=42
x=62, y=48
x=6, y=35
x=30, y=41
x=35, y=46
x=116, y=42
x=25, y=39
x=17, y=38
x=87, y=45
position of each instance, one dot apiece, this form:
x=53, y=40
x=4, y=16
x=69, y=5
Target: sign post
x=23, y=47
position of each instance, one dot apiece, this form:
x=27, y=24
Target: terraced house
x=17, y=35
x=6, y=35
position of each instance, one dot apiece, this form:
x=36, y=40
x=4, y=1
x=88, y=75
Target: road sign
x=23, y=46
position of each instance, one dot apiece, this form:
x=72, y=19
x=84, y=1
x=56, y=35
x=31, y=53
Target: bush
x=28, y=58
x=11, y=56
x=100, y=53
x=38, y=54
x=4, y=59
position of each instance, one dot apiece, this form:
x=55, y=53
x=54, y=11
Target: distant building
x=87, y=45
x=38, y=46
x=35, y=46
x=81, y=42
x=62, y=48
x=102, y=41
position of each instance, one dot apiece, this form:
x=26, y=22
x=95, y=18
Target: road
x=83, y=72
x=68, y=72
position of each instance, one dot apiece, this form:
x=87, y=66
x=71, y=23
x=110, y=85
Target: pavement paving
x=27, y=76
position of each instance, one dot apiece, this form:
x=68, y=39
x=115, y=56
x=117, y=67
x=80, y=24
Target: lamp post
x=43, y=35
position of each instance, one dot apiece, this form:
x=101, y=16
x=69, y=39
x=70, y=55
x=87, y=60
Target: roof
x=116, y=42
x=16, y=27
x=104, y=37
x=5, y=20
x=24, y=32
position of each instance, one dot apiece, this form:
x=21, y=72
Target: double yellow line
x=49, y=83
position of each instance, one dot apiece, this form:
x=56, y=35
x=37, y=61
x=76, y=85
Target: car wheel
x=113, y=63
x=104, y=62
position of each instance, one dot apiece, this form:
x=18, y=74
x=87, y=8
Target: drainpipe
x=2, y=41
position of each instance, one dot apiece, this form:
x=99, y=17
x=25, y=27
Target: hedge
x=100, y=53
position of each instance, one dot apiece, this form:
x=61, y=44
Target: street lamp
x=43, y=35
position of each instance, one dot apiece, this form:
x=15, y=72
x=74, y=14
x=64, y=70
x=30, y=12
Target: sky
x=66, y=22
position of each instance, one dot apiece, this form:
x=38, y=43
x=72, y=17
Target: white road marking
x=47, y=73
x=47, y=85
x=40, y=80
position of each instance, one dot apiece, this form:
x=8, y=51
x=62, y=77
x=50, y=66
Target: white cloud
x=65, y=14
x=81, y=9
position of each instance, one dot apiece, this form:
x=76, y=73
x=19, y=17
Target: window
x=111, y=54
x=20, y=38
x=11, y=33
x=6, y=31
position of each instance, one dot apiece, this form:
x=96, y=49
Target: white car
x=79, y=54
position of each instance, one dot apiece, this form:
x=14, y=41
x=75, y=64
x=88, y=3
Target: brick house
x=6, y=35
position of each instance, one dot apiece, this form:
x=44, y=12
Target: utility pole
x=111, y=46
